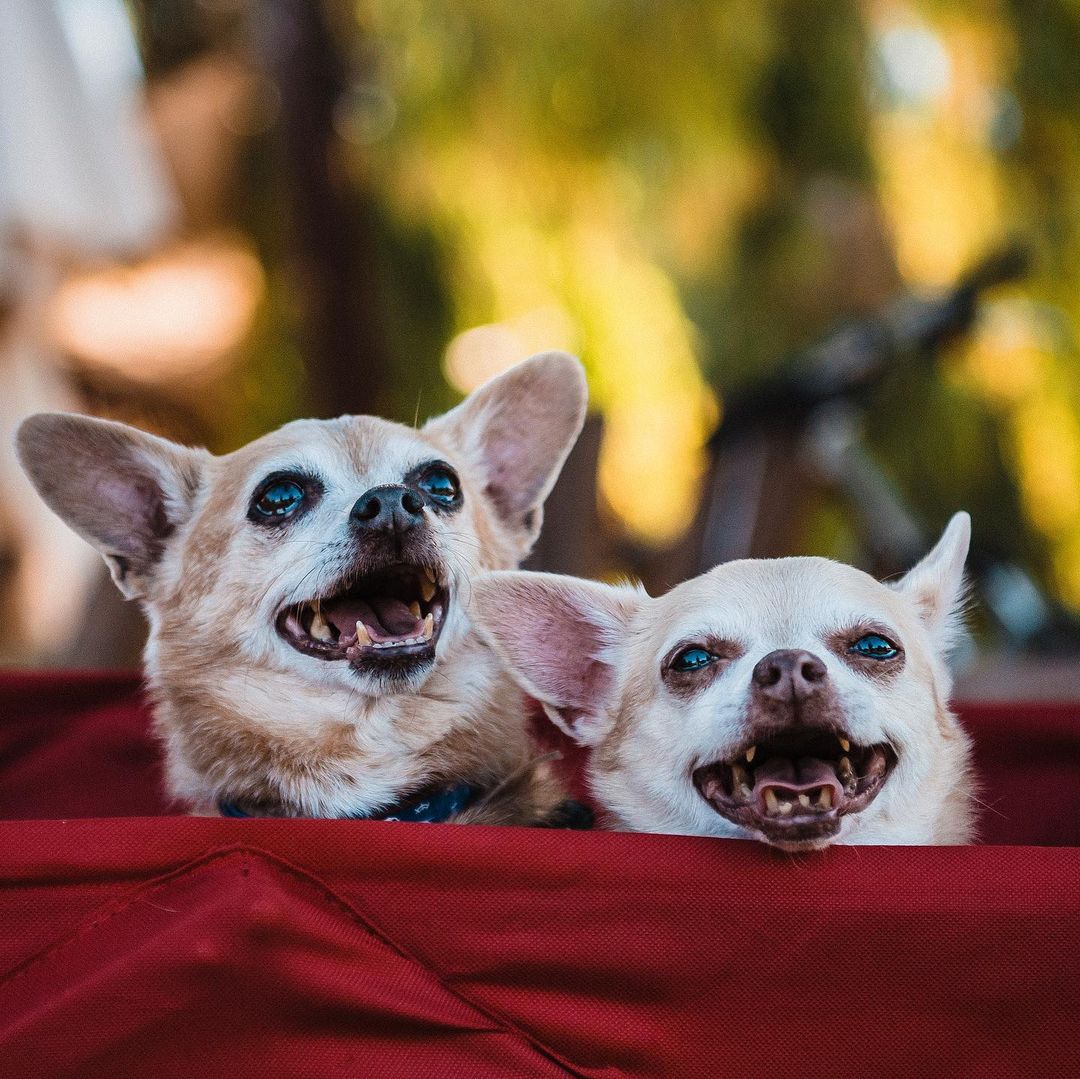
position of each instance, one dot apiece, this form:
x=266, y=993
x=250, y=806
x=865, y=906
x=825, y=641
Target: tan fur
x=597, y=656
x=243, y=716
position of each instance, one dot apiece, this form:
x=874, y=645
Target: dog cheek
x=718, y=720
x=863, y=707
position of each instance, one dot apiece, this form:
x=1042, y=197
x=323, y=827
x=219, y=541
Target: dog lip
x=794, y=788
x=390, y=617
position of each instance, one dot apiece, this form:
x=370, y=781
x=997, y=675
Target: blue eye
x=280, y=499
x=440, y=484
x=874, y=646
x=692, y=659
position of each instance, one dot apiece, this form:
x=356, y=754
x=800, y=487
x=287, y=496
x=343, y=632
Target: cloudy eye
x=440, y=484
x=278, y=498
x=874, y=646
x=692, y=659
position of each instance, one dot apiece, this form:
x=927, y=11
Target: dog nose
x=387, y=508
x=789, y=675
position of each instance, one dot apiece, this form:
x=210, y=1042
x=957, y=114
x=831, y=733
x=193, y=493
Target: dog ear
x=517, y=430
x=123, y=490
x=936, y=584
x=560, y=638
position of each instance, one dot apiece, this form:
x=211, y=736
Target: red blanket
x=186, y=947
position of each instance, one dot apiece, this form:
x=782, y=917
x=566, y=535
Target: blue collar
x=432, y=805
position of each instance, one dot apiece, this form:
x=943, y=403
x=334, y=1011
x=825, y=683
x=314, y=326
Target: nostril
x=411, y=503
x=367, y=509
x=767, y=673
x=813, y=670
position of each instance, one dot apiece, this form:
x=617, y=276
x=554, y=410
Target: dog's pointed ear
x=517, y=430
x=123, y=490
x=561, y=638
x=936, y=584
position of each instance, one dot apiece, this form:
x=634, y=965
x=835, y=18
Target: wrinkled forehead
x=784, y=602
x=351, y=450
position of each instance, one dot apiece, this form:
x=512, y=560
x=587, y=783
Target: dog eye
x=440, y=484
x=692, y=659
x=279, y=499
x=874, y=646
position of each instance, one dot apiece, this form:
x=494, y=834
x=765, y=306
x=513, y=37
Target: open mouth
x=795, y=787
x=393, y=616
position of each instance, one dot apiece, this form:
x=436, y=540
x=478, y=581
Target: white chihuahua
x=795, y=700
x=310, y=649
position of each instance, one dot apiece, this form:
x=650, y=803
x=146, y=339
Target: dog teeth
x=363, y=637
x=739, y=776
x=427, y=588
x=804, y=801
x=414, y=609
x=845, y=745
x=846, y=773
x=825, y=798
x=785, y=808
x=750, y=754
x=772, y=805
x=319, y=628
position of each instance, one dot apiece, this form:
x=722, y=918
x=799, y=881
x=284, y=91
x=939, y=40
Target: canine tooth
x=429, y=628
x=750, y=754
x=319, y=629
x=846, y=772
x=746, y=792
x=785, y=808
x=362, y=635
x=739, y=776
x=771, y=804
x=804, y=800
x=414, y=609
x=845, y=745
x=825, y=798
x=427, y=589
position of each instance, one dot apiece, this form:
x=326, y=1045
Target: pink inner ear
x=557, y=650
x=554, y=633
x=128, y=514
x=514, y=475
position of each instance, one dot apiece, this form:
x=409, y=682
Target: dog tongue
x=384, y=617
x=395, y=617
x=799, y=776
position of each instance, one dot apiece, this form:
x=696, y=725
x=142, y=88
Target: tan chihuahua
x=310, y=649
x=796, y=700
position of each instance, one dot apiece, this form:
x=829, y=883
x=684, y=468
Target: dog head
x=324, y=566
x=794, y=700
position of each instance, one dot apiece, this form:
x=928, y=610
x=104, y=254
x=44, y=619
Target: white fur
x=244, y=715
x=648, y=740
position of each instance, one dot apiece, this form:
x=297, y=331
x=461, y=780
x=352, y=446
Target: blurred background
x=821, y=259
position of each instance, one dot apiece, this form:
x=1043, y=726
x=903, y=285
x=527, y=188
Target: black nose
x=388, y=508
x=789, y=675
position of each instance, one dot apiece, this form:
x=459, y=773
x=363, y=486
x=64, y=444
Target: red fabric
x=179, y=946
